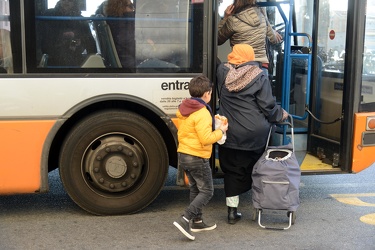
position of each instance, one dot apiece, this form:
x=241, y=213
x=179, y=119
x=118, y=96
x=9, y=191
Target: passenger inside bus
x=65, y=42
x=245, y=22
x=122, y=29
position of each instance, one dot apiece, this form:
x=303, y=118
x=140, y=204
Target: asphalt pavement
x=336, y=212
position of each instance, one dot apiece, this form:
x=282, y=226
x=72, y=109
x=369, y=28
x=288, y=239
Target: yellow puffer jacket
x=195, y=133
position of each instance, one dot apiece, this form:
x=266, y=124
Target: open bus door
x=339, y=81
x=318, y=79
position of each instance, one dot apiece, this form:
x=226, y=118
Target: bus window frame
x=32, y=63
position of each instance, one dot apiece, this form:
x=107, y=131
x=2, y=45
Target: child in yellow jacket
x=195, y=137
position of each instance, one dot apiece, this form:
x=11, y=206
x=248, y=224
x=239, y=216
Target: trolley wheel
x=255, y=213
x=293, y=214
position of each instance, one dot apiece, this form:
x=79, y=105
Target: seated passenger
x=66, y=42
x=122, y=29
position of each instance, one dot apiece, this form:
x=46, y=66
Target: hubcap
x=114, y=163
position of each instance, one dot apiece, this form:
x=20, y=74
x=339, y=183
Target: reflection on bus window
x=120, y=19
x=6, y=61
x=66, y=42
x=368, y=70
x=162, y=35
x=152, y=36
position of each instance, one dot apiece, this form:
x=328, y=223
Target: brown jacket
x=249, y=26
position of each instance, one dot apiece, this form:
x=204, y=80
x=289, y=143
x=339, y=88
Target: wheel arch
x=157, y=117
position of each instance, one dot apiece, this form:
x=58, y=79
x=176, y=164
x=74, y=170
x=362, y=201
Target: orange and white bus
x=110, y=128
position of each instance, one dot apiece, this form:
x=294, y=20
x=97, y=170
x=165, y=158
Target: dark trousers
x=237, y=166
x=201, y=186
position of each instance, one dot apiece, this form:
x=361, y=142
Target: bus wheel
x=113, y=162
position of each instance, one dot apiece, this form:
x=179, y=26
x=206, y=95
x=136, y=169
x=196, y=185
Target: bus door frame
x=352, y=81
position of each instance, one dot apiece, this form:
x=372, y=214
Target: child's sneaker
x=183, y=225
x=198, y=226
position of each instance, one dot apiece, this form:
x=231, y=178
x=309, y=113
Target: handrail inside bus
x=94, y=18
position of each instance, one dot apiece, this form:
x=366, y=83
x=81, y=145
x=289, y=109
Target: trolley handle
x=285, y=122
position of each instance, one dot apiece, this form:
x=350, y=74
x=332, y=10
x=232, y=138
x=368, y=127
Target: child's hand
x=221, y=122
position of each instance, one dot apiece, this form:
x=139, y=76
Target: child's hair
x=199, y=85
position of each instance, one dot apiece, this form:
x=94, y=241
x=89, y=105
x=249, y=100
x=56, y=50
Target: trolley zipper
x=276, y=182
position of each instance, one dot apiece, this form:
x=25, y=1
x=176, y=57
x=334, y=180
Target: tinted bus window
x=6, y=62
x=368, y=78
x=150, y=36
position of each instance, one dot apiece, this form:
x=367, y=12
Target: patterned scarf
x=239, y=77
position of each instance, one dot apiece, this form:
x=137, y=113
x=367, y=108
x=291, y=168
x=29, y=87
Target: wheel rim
x=113, y=163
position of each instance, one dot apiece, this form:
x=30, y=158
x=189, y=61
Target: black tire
x=113, y=162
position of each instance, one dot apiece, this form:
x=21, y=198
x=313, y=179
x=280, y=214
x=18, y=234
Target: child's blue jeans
x=201, y=186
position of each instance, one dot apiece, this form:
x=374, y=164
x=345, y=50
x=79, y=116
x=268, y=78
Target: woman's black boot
x=233, y=215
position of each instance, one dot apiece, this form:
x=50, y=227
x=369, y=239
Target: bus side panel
x=20, y=170
x=363, y=155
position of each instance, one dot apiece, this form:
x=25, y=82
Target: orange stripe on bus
x=363, y=156
x=21, y=150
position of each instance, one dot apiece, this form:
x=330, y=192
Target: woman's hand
x=228, y=11
x=279, y=37
x=285, y=115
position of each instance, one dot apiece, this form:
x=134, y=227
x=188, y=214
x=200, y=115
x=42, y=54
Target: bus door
x=308, y=82
x=335, y=82
x=321, y=79
x=314, y=77
x=328, y=115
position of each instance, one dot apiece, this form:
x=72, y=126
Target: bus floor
x=311, y=163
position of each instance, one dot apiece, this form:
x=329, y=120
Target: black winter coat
x=250, y=110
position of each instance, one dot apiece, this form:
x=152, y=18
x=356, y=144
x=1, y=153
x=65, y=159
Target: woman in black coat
x=246, y=100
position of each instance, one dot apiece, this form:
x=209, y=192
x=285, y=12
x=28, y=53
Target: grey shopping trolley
x=276, y=179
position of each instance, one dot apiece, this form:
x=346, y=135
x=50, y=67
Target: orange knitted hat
x=241, y=53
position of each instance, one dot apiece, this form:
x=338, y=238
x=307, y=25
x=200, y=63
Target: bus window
x=6, y=63
x=331, y=43
x=368, y=77
x=63, y=41
x=160, y=37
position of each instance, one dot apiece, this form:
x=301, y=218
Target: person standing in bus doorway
x=195, y=137
x=123, y=29
x=245, y=22
x=66, y=42
x=247, y=102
